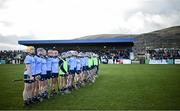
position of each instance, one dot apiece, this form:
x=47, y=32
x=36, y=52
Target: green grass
x=118, y=87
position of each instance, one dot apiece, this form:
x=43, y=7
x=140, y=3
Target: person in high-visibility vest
x=96, y=63
x=90, y=63
x=63, y=70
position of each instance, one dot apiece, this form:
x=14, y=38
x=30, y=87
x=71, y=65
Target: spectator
x=159, y=54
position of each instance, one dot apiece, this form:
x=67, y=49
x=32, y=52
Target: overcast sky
x=68, y=19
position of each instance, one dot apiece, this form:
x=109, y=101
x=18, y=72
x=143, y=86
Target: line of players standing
x=47, y=74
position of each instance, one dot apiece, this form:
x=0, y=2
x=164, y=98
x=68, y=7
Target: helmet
x=30, y=49
x=40, y=51
x=64, y=55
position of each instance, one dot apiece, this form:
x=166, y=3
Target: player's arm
x=81, y=68
x=27, y=66
x=61, y=66
x=28, y=69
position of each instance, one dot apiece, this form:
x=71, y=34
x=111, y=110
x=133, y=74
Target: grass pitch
x=118, y=87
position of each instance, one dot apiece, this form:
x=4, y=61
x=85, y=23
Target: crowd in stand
x=115, y=55
x=17, y=56
x=158, y=54
x=12, y=56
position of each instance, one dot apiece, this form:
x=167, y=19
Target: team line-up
x=48, y=73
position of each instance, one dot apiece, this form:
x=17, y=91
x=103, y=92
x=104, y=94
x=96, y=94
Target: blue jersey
x=86, y=61
x=55, y=65
x=67, y=59
x=26, y=72
x=72, y=63
x=49, y=63
x=38, y=64
x=44, y=67
x=83, y=61
x=78, y=64
x=30, y=60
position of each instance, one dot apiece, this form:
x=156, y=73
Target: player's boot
x=26, y=103
x=54, y=92
x=62, y=91
x=39, y=98
x=71, y=88
x=83, y=84
x=34, y=99
x=43, y=95
x=67, y=91
x=78, y=84
x=51, y=94
x=47, y=95
x=30, y=100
